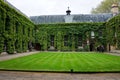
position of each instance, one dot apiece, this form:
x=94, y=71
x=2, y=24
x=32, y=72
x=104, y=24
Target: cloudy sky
x=54, y=7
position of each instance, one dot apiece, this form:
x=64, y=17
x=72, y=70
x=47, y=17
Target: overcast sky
x=54, y=7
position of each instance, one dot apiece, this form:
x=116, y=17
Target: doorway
x=37, y=46
x=91, y=46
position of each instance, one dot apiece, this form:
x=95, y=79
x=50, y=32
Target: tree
x=104, y=6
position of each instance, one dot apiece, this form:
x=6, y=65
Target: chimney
x=115, y=9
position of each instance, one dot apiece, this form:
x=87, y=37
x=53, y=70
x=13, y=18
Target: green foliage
x=2, y=26
x=113, y=31
x=15, y=29
x=86, y=48
x=104, y=6
x=72, y=30
x=58, y=39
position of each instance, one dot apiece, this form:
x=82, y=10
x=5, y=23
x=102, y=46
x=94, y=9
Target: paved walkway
x=11, y=75
x=7, y=57
x=115, y=52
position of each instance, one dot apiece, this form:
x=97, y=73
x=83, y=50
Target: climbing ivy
x=72, y=30
x=16, y=30
x=2, y=26
x=113, y=31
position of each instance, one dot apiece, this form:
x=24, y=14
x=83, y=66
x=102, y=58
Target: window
x=100, y=34
x=5, y=45
x=52, y=40
x=16, y=25
x=28, y=32
x=79, y=40
x=65, y=40
x=23, y=30
x=16, y=45
x=7, y=23
x=114, y=32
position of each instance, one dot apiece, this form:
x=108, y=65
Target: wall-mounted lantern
x=92, y=34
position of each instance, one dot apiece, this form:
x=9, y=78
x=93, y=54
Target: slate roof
x=46, y=19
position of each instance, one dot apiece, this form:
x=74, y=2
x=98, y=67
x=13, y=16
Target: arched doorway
x=37, y=46
x=91, y=46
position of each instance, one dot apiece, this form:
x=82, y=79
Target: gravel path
x=11, y=75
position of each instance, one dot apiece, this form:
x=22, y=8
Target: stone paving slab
x=14, y=75
x=7, y=57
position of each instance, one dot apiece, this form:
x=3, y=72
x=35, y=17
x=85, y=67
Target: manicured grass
x=64, y=61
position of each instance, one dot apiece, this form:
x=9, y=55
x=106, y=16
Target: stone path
x=7, y=57
x=11, y=75
x=115, y=52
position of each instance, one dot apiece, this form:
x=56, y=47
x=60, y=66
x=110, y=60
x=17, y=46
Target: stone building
x=77, y=18
x=70, y=32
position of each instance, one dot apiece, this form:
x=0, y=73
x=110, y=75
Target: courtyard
x=27, y=75
x=64, y=62
x=69, y=46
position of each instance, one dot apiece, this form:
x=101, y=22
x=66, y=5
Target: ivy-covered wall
x=18, y=33
x=113, y=31
x=73, y=31
x=16, y=30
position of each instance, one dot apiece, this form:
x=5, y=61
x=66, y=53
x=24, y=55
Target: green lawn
x=65, y=61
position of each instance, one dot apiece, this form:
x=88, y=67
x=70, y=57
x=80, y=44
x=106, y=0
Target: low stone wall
x=3, y=53
x=115, y=51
